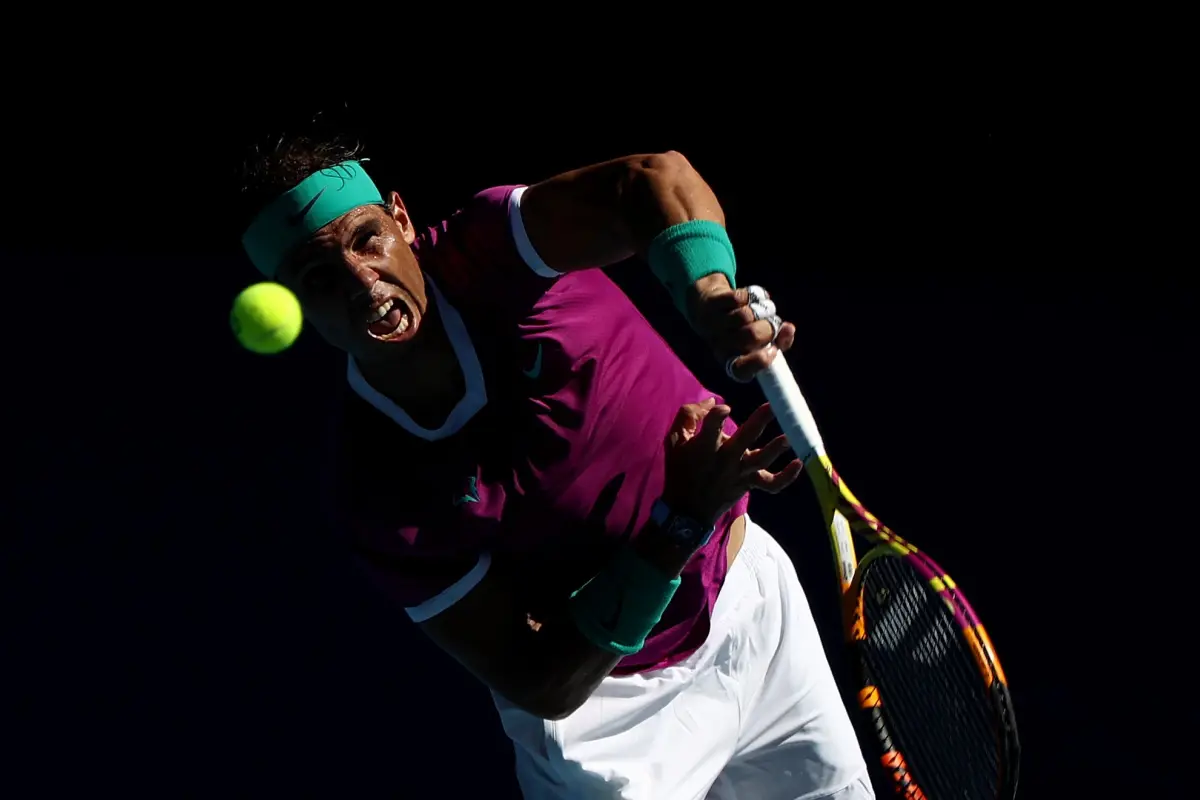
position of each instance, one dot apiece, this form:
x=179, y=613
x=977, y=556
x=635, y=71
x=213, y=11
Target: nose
x=362, y=276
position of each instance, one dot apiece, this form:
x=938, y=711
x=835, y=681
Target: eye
x=364, y=236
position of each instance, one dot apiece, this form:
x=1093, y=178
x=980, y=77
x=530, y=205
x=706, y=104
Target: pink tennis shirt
x=554, y=455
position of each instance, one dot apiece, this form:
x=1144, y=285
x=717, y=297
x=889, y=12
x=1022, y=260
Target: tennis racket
x=930, y=686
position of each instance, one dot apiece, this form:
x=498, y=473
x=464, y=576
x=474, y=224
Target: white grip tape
x=791, y=409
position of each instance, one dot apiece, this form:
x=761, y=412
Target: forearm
x=564, y=666
x=560, y=667
x=662, y=191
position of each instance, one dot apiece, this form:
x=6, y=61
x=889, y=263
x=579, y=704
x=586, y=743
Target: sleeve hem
x=453, y=593
x=525, y=247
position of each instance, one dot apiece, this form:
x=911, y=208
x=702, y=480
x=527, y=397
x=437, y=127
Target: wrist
x=704, y=288
x=717, y=282
x=693, y=505
x=684, y=527
x=689, y=253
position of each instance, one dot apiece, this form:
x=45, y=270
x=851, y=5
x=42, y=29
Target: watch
x=683, y=531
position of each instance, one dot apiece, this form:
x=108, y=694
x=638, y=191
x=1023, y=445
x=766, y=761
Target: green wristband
x=617, y=609
x=687, y=252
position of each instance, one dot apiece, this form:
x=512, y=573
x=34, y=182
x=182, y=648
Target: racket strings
x=934, y=701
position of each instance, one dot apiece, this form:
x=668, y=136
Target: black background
x=997, y=334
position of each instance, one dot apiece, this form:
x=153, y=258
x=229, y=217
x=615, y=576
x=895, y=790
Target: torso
x=558, y=466
x=737, y=534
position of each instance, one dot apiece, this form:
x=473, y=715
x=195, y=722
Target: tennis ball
x=266, y=318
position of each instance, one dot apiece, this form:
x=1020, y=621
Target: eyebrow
x=370, y=220
x=296, y=262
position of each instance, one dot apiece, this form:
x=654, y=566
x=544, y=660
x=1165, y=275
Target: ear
x=397, y=211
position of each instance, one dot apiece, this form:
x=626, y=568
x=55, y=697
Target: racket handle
x=791, y=410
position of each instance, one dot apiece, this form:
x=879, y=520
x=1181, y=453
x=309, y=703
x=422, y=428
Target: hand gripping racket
x=929, y=684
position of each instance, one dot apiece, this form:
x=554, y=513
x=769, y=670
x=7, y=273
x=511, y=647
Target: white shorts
x=754, y=714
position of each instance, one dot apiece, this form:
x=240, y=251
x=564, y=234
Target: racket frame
x=845, y=516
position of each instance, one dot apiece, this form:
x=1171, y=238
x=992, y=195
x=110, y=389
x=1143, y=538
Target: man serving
x=534, y=477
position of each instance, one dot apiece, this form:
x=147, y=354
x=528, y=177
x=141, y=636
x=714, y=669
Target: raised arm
x=658, y=207
x=605, y=213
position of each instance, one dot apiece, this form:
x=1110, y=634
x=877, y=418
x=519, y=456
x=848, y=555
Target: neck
x=425, y=378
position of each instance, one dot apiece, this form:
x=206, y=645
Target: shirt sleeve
x=427, y=567
x=483, y=253
x=424, y=585
x=422, y=537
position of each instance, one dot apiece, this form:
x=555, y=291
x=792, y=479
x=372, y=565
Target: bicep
x=571, y=220
x=468, y=606
x=605, y=213
x=499, y=616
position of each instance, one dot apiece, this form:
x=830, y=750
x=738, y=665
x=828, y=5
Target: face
x=358, y=281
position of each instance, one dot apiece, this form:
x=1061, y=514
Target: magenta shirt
x=562, y=457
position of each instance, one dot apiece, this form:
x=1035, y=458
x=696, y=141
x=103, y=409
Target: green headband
x=299, y=212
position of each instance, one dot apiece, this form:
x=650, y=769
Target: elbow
x=553, y=711
x=665, y=188
x=542, y=687
x=662, y=171
x=671, y=164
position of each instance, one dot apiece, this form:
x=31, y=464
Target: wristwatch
x=683, y=531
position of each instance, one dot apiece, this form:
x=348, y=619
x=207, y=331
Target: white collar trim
x=473, y=400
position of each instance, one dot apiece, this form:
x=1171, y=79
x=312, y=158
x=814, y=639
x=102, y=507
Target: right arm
x=527, y=647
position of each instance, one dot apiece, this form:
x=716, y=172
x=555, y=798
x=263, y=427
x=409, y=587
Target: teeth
x=380, y=312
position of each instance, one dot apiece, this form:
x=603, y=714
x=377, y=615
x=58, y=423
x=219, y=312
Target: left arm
x=599, y=215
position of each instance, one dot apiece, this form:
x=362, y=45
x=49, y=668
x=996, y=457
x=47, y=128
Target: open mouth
x=389, y=321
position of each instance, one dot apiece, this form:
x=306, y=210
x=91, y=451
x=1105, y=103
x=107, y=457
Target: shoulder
x=483, y=247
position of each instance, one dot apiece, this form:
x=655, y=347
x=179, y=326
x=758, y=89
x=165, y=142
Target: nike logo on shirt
x=537, y=364
x=471, y=495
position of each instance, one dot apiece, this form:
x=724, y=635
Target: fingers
x=746, y=316
x=690, y=414
x=761, y=459
x=757, y=357
x=750, y=334
x=752, y=429
x=786, y=337
x=739, y=331
x=688, y=419
x=728, y=301
x=738, y=309
x=745, y=331
x=711, y=433
x=773, y=483
x=745, y=367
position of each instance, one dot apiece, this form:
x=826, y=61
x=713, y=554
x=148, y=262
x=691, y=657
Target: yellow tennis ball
x=266, y=318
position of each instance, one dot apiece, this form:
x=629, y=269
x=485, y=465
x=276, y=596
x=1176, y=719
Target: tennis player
x=535, y=478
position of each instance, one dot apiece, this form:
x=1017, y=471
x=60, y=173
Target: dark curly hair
x=276, y=162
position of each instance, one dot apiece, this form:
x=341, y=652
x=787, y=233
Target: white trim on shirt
x=453, y=593
x=473, y=400
x=525, y=247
